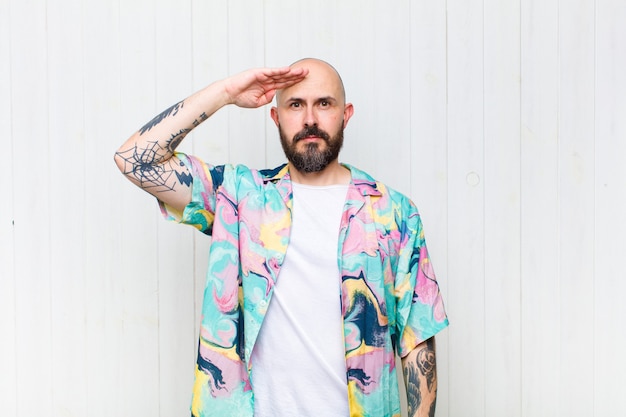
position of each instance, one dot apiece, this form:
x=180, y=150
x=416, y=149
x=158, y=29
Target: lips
x=311, y=133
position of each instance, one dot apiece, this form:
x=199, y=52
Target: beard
x=315, y=156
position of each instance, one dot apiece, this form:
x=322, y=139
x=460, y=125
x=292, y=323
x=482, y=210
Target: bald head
x=321, y=73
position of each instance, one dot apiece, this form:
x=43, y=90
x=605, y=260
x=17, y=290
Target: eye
x=324, y=103
x=294, y=104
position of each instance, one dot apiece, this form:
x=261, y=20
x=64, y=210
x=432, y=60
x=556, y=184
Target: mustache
x=311, y=131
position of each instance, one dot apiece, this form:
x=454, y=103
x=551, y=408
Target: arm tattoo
x=414, y=396
x=421, y=380
x=173, y=142
x=201, y=118
x=159, y=118
x=427, y=363
x=145, y=166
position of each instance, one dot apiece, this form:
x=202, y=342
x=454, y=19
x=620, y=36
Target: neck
x=333, y=174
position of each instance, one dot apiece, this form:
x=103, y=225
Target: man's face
x=311, y=117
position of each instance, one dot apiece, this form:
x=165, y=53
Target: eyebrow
x=298, y=99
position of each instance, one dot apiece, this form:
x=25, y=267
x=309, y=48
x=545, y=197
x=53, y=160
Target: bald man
x=318, y=274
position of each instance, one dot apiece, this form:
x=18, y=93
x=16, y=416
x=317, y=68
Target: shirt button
x=263, y=303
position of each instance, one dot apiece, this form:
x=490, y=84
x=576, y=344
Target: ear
x=274, y=115
x=348, y=111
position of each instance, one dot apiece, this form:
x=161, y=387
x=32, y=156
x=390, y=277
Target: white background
x=505, y=121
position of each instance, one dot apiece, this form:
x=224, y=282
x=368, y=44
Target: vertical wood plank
x=282, y=50
x=34, y=336
x=576, y=203
x=29, y=100
x=8, y=369
x=502, y=208
x=67, y=210
x=539, y=214
x=609, y=342
x=466, y=250
x=138, y=238
x=428, y=156
x=104, y=209
x=391, y=120
x=355, y=62
x=177, y=334
x=317, y=40
x=246, y=50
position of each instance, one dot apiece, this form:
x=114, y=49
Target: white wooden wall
x=505, y=120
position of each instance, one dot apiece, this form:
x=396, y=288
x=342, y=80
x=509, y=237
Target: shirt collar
x=363, y=182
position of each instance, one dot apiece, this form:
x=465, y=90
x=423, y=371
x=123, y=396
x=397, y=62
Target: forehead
x=321, y=81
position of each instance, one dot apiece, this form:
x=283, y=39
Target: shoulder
x=385, y=195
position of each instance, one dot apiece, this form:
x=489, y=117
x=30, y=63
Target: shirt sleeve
x=421, y=312
x=200, y=212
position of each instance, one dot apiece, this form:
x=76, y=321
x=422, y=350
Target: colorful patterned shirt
x=390, y=298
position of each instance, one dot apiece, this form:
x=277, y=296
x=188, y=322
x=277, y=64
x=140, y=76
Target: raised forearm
x=420, y=378
x=157, y=140
x=170, y=127
x=147, y=157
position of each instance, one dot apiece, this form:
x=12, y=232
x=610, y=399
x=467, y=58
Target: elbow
x=126, y=163
x=120, y=161
x=125, y=156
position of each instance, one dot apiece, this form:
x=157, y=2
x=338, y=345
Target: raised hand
x=257, y=87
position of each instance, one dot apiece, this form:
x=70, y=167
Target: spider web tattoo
x=144, y=166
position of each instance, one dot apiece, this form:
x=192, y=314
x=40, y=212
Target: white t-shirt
x=298, y=362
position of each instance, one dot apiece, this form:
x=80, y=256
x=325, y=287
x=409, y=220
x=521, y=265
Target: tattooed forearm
x=172, y=111
x=427, y=363
x=420, y=376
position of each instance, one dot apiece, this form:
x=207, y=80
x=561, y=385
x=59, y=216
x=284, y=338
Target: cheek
x=290, y=121
x=334, y=122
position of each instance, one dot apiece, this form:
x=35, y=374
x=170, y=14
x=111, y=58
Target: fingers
x=257, y=87
x=280, y=78
x=286, y=71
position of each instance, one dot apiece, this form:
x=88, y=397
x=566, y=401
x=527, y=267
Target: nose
x=310, y=119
